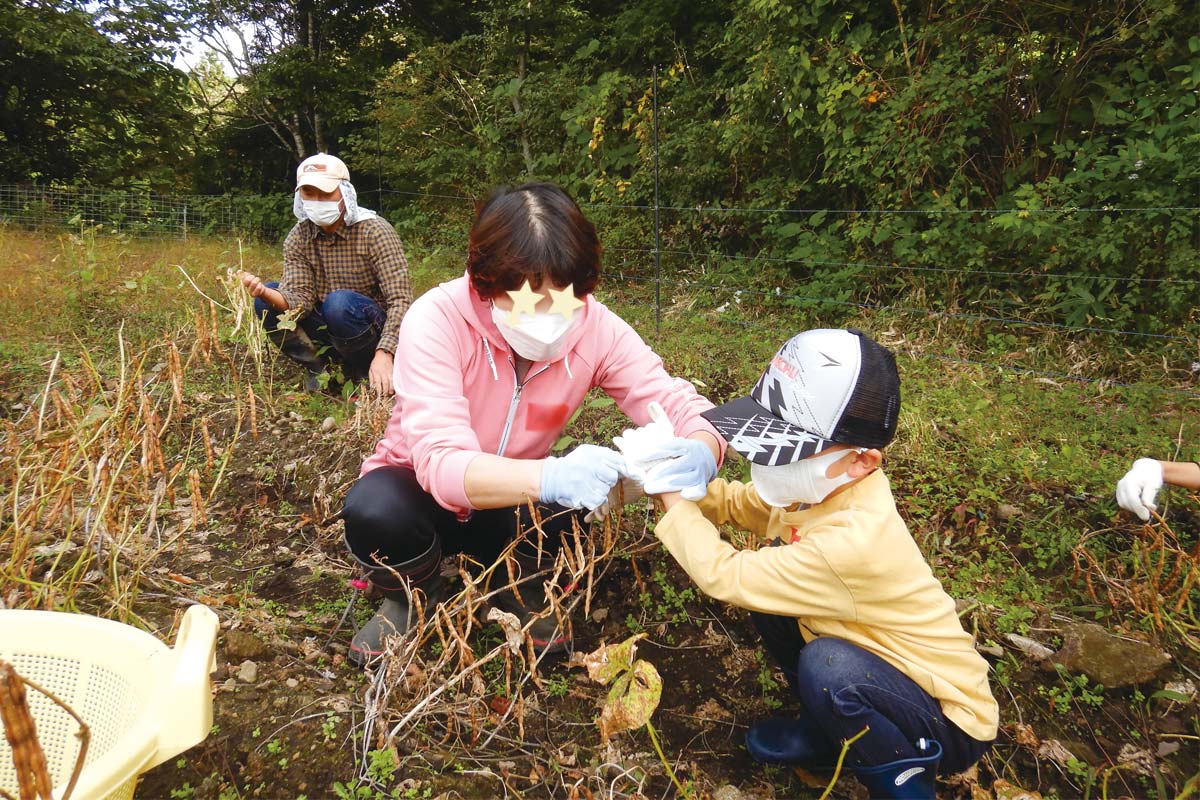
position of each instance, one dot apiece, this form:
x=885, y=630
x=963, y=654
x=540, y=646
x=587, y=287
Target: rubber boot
x=795, y=742
x=296, y=345
x=908, y=779
x=396, y=615
x=545, y=632
x=356, y=354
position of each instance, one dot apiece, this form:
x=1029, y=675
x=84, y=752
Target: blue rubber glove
x=582, y=478
x=690, y=469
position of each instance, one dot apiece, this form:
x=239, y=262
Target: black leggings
x=389, y=515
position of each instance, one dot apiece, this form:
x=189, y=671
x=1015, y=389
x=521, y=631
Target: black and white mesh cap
x=823, y=387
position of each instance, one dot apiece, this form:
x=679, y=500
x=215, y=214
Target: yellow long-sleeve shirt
x=850, y=569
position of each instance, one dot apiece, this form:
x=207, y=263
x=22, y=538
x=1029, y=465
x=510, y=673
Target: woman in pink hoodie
x=489, y=368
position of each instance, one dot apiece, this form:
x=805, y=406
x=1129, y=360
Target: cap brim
x=326, y=183
x=761, y=436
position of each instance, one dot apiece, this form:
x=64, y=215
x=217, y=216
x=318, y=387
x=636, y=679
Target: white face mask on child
x=801, y=481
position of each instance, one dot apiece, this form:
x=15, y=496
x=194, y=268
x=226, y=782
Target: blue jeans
x=843, y=689
x=346, y=322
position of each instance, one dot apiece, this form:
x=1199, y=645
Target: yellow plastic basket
x=142, y=701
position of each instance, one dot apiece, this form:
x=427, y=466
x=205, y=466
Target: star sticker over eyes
x=525, y=301
x=565, y=302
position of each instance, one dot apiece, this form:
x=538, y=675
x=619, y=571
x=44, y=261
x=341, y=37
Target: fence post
x=185, y=220
x=657, y=229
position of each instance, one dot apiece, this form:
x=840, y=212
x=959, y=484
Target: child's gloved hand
x=689, y=470
x=581, y=478
x=1137, y=490
x=637, y=443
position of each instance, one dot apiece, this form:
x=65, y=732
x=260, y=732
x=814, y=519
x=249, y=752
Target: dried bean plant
x=445, y=692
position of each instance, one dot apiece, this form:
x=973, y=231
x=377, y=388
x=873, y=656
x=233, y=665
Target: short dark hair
x=532, y=232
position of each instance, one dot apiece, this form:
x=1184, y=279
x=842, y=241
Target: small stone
x=1007, y=511
x=1167, y=749
x=728, y=792
x=1184, y=687
x=292, y=683
x=1109, y=660
x=248, y=672
x=328, y=424
x=244, y=646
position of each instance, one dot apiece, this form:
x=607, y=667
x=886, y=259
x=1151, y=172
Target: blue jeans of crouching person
x=844, y=688
x=345, y=325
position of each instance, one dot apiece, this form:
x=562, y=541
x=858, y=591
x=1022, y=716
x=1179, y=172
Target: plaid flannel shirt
x=366, y=257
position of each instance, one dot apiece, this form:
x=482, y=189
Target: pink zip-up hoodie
x=457, y=394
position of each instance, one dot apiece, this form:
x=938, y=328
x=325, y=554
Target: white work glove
x=636, y=444
x=626, y=491
x=582, y=478
x=1136, y=491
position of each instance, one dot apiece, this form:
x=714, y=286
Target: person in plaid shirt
x=344, y=276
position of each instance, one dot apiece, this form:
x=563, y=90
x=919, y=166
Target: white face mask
x=802, y=481
x=539, y=337
x=322, y=212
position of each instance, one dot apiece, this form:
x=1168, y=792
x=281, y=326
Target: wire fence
x=265, y=216
x=142, y=214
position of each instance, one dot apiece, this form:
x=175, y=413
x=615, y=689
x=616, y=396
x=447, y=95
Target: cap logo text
x=784, y=366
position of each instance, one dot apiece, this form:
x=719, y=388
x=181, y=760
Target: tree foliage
x=971, y=119
x=87, y=93
x=976, y=153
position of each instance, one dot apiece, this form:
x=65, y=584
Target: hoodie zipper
x=518, y=387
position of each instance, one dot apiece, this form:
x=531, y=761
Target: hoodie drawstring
x=487, y=349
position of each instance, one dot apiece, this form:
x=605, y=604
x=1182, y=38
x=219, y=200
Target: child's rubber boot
x=907, y=779
x=795, y=742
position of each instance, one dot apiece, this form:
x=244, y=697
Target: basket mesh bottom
x=105, y=700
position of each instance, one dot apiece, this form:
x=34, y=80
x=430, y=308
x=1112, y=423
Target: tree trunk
x=526, y=147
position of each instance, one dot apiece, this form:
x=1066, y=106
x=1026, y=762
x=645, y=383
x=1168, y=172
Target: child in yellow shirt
x=846, y=604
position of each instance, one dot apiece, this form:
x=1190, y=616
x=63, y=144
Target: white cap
x=322, y=171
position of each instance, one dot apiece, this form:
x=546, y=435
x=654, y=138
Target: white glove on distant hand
x=636, y=444
x=1137, y=490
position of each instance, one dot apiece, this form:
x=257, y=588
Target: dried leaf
x=1010, y=791
x=1137, y=759
x=1024, y=736
x=1029, y=647
x=632, y=700
x=510, y=625
x=609, y=661
x=1055, y=751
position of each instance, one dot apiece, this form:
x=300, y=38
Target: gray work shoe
x=312, y=382
x=392, y=619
